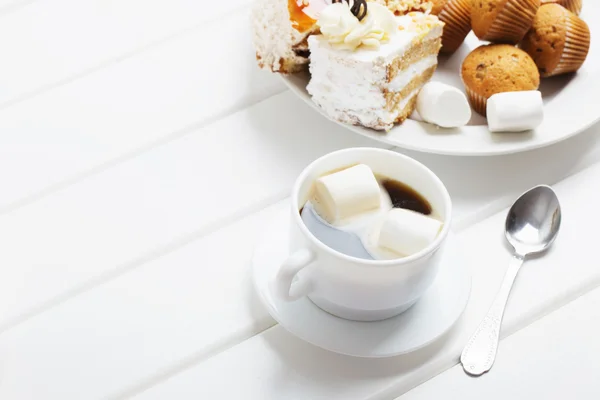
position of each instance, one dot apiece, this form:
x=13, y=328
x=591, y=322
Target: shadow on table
x=260, y=316
x=497, y=177
x=327, y=371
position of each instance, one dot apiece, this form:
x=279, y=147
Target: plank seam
x=520, y=324
x=191, y=360
x=109, y=62
x=14, y=6
x=149, y=256
x=130, y=155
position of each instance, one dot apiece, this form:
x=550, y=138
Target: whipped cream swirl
x=344, y=31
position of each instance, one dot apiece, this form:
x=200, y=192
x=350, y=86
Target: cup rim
x=379, y=263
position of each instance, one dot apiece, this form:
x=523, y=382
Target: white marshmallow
x=515, y=111
x=346, y=193
x=415, y=116
x=408, y=232
x=443, y=105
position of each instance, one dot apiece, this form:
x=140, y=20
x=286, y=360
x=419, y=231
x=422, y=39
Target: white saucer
x=432, y=316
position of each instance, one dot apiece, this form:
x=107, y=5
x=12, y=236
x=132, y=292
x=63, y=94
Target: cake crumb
x=403, y=7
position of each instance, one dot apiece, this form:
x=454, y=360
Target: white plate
x=432, y=316
x=571, y=106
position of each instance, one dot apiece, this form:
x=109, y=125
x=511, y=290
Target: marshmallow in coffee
x=407, y=232
x=347, y=193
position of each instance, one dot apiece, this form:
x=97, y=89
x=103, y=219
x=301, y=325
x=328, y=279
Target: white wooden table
x=125, y=248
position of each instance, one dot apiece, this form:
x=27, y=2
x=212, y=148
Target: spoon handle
x=480, y=352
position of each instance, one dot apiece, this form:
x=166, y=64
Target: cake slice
x=282, y=27
x=374, y=84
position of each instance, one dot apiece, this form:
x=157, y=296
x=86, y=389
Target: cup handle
x=288, y=271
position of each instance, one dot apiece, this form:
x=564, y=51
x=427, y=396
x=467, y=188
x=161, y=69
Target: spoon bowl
x=533, y=221
x=345, y=242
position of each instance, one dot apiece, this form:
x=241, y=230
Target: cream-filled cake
x=368, y=71
x=281, y=29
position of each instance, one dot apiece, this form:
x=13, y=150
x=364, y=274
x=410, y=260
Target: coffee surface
x=403, y=196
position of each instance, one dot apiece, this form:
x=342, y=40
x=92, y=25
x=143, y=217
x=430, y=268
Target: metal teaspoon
x=531, y=227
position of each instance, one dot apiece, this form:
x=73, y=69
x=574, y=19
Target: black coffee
x=403, y=196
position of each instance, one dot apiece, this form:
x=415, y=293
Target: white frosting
x=408, y=98
x=343, y=30
x=414, y=70
x=397, y=45
x=350, y=90
x=349, y=85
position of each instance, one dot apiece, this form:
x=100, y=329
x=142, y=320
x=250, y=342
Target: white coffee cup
x=353, y=288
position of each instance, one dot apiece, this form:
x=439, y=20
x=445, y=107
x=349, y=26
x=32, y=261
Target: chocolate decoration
x=302, y=53
x=358, y=9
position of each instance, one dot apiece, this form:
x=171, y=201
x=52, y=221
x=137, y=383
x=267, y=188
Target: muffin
x=497, y=68
x=574, y=6
x=456, y=14
x=558, y=42
x=502, y=21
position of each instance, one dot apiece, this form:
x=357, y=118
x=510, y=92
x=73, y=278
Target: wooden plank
x=78, y=128
x=141, y=208
x=276, y=365
x=42, y=48
x=7, y=6
x=482, y=186
x=112, y=281
x=183, y=306
x=553, y=358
